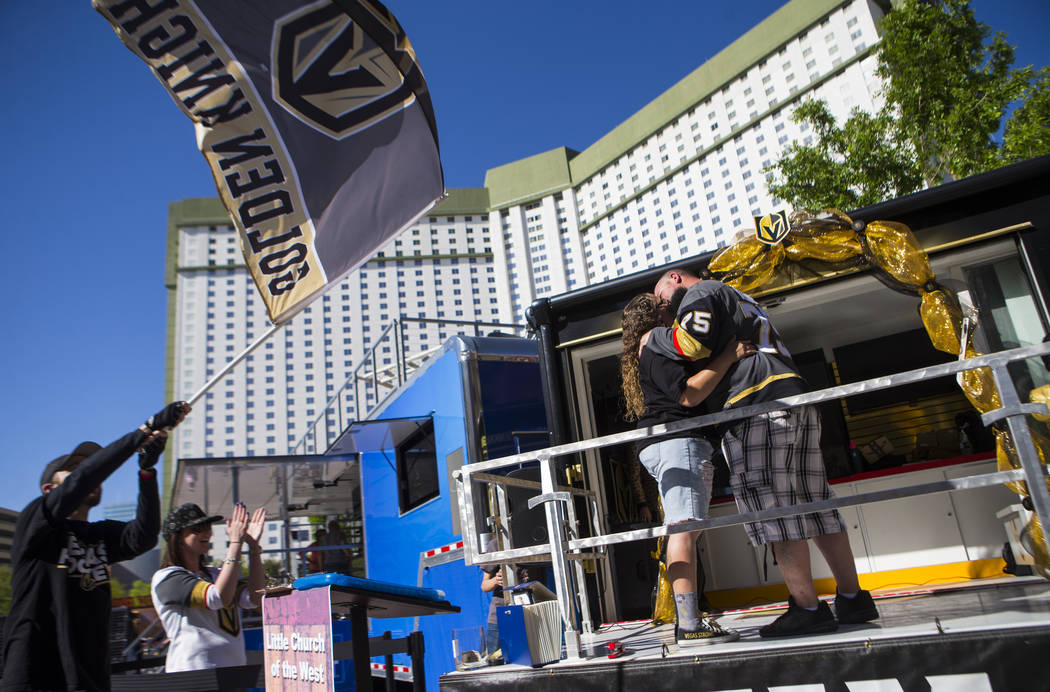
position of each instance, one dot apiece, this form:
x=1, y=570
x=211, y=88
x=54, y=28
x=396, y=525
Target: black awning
x=375, y=435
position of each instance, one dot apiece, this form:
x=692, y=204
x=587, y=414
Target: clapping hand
x=237, y=523
x=255, y=527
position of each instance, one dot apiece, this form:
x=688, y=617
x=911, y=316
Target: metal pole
x=562, y=578
x=401, y=359
x=285, y=537
x=1026, y=451
x=229, y=366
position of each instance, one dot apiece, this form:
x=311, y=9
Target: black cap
x=68, y=462
x=185, y=516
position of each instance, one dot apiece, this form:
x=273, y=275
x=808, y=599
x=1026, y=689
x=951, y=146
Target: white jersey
x=203, y=633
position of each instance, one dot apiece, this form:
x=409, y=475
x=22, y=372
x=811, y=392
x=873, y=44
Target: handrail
x=367, y=371
x=729, y=415
x=560, y=545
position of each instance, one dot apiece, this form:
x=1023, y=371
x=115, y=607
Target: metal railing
x=371, y=382
x=562, y=541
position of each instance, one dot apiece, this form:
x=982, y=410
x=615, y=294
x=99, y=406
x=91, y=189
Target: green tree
x=1028, y=132
x=946, y=90
x=848, y=167
x=116, y=589
x=139, y=588
x=946, y=86
x=273, y=568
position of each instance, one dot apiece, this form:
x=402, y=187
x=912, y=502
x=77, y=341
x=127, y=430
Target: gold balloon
x=943, y=320
x=897, y=252
x=664, y=609
x=1041, y=395
x=739, y=256
x=1006, y=456
x=832, y=246
x=979, y=387
x=761, y=272
x=815, y=223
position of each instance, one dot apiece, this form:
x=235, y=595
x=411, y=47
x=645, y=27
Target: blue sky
x=95, y=150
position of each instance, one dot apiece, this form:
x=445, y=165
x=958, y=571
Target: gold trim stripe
x=751, y=390
x=199, y=595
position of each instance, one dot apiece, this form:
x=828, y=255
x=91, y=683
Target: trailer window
x=417, y=475
x=513, y=417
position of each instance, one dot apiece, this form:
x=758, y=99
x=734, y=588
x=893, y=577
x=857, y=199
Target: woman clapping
x=199, y=604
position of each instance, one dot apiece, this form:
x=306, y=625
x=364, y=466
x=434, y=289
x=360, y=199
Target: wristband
x=147, y=474
x=230, y=560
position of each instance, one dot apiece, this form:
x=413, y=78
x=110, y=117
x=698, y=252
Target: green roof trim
x=198, y=211
x=462, y=200
x=723, y=68
x=535, y=176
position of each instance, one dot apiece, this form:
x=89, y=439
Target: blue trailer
x=478, y=398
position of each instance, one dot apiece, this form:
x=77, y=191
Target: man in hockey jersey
x=56, y=636
x=774, y=458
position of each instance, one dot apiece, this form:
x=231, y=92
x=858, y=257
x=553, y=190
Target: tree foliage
x=139, y=588
x=116, y=589
x=1028, y=132
x=948, y=83
x=815, y=176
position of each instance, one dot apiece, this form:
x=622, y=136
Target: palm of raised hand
x=255, y=527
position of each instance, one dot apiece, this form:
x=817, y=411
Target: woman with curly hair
x=660, y=390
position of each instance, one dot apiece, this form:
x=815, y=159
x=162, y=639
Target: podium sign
x=297, y=641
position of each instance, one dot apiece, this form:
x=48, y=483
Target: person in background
x=660, y=390
x=492, y=582
x=336, y=559
x=315, y=558
x=198, y=604
x=56, y=636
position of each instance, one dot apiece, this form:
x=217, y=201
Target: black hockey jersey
x=710, y=316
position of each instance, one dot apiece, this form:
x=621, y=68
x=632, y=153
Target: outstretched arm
x=62, y=500
x=699, y=386
x=139, y=535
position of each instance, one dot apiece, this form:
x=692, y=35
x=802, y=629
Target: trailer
x=520, y=439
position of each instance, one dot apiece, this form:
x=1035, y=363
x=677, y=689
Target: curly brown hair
x=640, y=315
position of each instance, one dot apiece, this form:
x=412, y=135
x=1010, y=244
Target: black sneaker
x=798, y=620
x=852, y=611
x=707, y=632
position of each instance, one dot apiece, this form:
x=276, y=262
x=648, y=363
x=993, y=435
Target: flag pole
x=229, y=366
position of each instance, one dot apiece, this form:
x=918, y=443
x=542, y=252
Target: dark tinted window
x=417, y=475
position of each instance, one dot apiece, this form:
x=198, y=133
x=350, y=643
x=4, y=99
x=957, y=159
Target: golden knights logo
x=772, y=228
x=328, y=73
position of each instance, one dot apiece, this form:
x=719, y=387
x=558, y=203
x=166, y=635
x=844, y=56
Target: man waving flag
x=315, y=120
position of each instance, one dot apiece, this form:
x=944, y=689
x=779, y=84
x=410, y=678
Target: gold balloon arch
x=826, y=243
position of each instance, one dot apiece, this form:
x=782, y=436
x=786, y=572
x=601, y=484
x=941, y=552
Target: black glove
x=151, y=451
x=169, y=417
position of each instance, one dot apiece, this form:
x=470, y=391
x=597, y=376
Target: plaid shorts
x=775, y=461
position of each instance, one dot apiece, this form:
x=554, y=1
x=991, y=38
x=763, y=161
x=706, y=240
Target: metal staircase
x=370, y=384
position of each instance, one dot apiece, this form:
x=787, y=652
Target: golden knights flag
x=314, y=118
